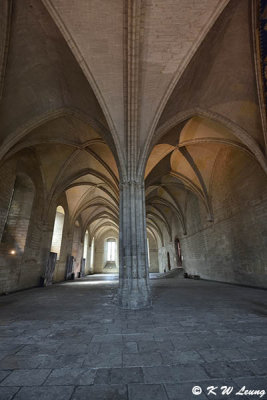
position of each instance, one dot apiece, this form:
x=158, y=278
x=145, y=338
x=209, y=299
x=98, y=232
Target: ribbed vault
x=185, y=163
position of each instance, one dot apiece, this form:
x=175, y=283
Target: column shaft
x=134, y=290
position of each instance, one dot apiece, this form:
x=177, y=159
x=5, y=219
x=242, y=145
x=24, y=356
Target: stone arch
x=19, y=214
x=184, y=116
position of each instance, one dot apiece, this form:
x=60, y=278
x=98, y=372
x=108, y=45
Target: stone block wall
x=21, y=231
x=99, y=256
x=232, y=248
x=153, y=254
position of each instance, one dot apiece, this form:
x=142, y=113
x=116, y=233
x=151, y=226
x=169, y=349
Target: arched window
x=111, y=250
x=18, y=216
x=58, y=230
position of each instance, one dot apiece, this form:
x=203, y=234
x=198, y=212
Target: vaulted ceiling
x=82, y=82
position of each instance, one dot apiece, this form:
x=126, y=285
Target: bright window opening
x=58, y=230
x=92, y=254
x=111, y=251
x=85, y=247
x=148, y=255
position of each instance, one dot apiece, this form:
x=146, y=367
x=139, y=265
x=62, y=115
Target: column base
x=135, y=298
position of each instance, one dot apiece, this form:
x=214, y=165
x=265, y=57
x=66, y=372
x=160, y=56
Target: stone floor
x=70, y=341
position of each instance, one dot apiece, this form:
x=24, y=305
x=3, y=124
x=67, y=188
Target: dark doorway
x=178, y=252
x=169, y=261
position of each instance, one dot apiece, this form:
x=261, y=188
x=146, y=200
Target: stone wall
x=232, y=248
x=153, y=254
x=77, y=248
x=100, y=250
x=7, y=179
x=21, y=205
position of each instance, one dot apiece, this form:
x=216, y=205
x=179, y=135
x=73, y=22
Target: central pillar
x=134, y=289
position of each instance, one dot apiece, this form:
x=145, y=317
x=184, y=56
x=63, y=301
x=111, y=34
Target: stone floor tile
x=251, y=353
x=183, y=391
x=160, y=330
x=6, y=322
x=111, y=348
x=181, y=357
x=256, y=339
x=253, y=383
x=175, y=337
x=130, y=347
x=31, y=349
x=152, y=345
x=114, y=329
x=20, y=362
x=7, y=393
x=45, y=393
x=77, y=349
x=259, y=367
x=190, y=372
x=211, y=355
x=11, y=348
x=141, y=359
x=186, y=345
x=4, y=374
x=107, y=360
x=221, y=343
x=126, y=375
x=136, y=337
x=229, y=369
x=26, y=377
x=147, y=392
x=61, y=360
x=101, y=392
x=10, y=331
x=71, y=376
x=112, y=338
x=160, y=374
x=174, y=373
x=102, y=376
x=214, y=388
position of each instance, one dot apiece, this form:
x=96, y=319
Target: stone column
x=134, y=289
